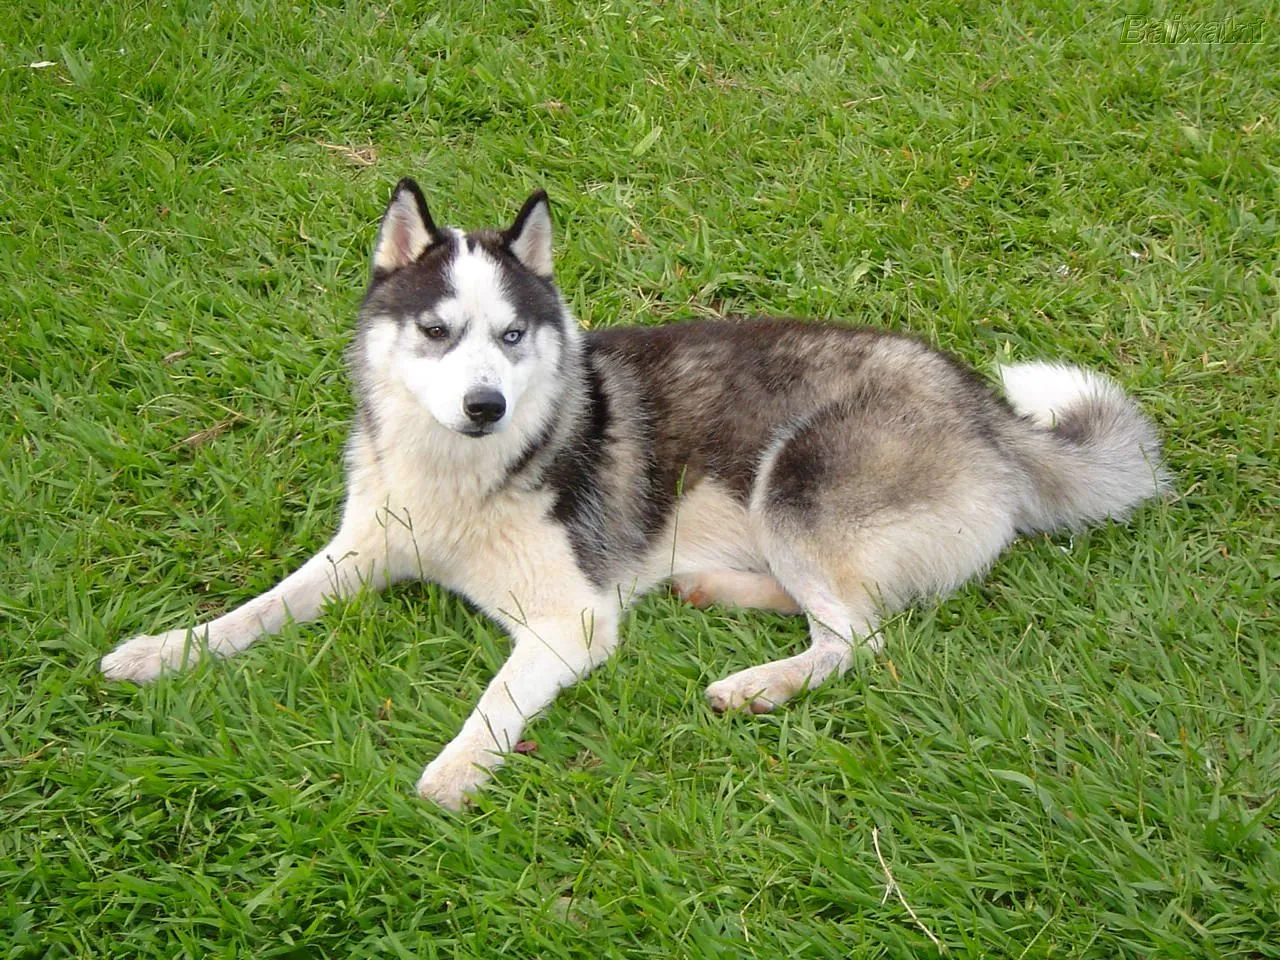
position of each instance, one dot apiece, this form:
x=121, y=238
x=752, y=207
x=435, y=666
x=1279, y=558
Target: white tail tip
x=1046, y=391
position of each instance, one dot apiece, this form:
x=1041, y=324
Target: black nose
x=484, y=405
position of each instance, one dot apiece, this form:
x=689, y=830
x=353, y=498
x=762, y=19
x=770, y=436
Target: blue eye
x=512, y=336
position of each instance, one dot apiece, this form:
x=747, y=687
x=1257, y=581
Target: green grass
x=1077, y=757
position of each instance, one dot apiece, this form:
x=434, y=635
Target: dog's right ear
x=406, y=232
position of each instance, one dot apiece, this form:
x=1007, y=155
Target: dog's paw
x=690, y=589
x=145, y=657
x=451, y=778
x=754, y=689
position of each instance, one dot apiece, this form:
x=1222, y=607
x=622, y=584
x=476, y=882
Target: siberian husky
x=551, y=476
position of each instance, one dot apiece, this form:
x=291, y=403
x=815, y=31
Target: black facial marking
x=534, y=298
x=413, y=289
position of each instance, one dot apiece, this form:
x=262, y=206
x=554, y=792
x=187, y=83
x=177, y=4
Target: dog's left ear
x=529, y=238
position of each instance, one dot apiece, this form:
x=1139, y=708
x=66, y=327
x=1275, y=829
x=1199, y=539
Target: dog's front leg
x=549, y=655
x=360, y=554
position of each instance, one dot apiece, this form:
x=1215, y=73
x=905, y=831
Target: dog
x=552, y=475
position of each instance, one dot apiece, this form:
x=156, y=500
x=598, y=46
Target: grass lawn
x=1078, y=756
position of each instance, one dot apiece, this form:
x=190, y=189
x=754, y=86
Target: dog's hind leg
x=861, y=509
x=836, y=628
x=734, y=588
x=359, y=555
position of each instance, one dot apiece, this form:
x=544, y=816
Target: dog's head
x=463, y=321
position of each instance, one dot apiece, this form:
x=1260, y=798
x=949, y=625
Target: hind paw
x=690, y=590
x=734, y=588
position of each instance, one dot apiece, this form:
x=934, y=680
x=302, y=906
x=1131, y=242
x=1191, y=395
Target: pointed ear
x=406, y=230
x=529, y=238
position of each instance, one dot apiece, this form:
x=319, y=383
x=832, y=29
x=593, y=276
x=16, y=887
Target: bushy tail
x=1091, y=452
